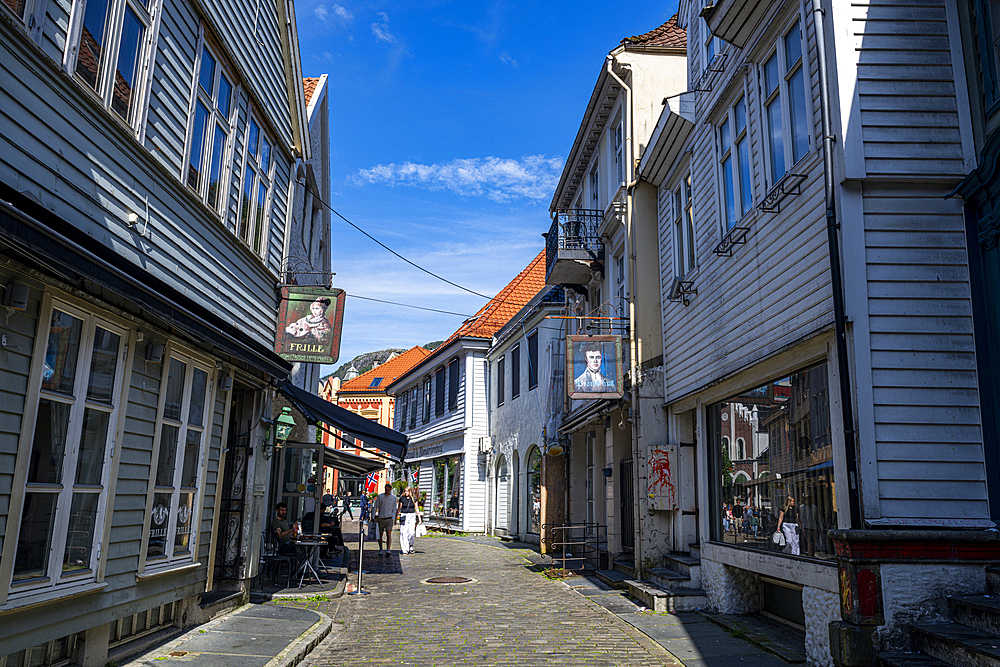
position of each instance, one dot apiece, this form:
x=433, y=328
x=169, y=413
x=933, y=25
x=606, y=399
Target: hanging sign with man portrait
x=309, y=324
x=594, y=367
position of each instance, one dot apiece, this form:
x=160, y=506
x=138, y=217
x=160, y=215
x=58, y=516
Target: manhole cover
x=449, y=580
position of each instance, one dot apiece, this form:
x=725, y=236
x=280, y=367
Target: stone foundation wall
x=730, y=590
x=821, y=608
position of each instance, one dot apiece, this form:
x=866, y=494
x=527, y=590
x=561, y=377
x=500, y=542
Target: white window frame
x=54, y=583
x=214, y=118
x=618, y=150
x=253, y=220
x=780, y=98
x=425, y=411
x=682, y=226
x=103, y=87
x=171, y=558
x=595, y=186
x=742, y=175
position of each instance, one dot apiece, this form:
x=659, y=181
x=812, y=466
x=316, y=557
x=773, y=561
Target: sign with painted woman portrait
x=309, y=324
x=594, y=367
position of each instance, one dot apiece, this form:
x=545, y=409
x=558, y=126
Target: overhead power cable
x=407, y=305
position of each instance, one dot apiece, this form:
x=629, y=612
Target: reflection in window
x=782, y=432
x=448, y=487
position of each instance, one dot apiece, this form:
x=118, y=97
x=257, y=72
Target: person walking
x=347, y=506
x=788, y=525
x=386, y=507
x=408, y=519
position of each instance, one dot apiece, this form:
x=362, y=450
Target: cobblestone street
x=509, y=615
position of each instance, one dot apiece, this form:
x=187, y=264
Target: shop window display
x=448, y=487
x=535, y=492
x=783, y=475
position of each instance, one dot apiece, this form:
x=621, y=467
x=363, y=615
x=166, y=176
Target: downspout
x=836, y=277
x=633, y=345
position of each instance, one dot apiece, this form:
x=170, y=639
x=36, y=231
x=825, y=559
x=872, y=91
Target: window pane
x=158, y=525
x=439, y=391
x=49, y=445
x=783, y=471
x=88, y=61
x=730, y=194
x=793, y=46
x=799, y=129
x=746, y=195
x=532, y=361
x=192, y=448
x=678, y=249
x=80, y=533
x=32, y=557
x=243, y=231
x=500, y=370
x=122, y=95
x=225, y=95
x=93, y=441
x=175, y=389
x=535, y=492
x=259, y=226
x=197, y=145
x=725, y=136
x=59, y=373
x=455, y=486
x=265, y=156
x=103, y=366
x=218, y=145
x=740, y=111
x=773, y=113
x=168, y=456
x=207, y=76
x=515, y=371
x=689, y=220
x=252, y=136
x=182, y=534
x=16, y=6
x=453, y=385
x=199, y=385
x=771, y=75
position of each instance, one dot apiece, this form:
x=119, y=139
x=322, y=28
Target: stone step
x=695, y=550
x=907, y=659
x=666, y=578
x=667, y=600
x=612, y=578
x=957, y=644
x=993, y=579
x=976, y=611
x=625, y=567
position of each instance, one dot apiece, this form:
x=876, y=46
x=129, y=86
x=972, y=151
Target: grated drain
x=449, y=580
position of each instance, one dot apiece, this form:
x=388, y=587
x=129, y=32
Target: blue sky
x=450, y=122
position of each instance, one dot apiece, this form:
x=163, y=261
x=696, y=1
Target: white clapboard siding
x=928, y=435
x=58, y=150
x=906, y=89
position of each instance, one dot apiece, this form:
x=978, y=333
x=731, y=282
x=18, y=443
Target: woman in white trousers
x=408, y=518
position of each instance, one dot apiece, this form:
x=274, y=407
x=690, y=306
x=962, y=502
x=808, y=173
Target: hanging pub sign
x=594, y=367
x=309, y=324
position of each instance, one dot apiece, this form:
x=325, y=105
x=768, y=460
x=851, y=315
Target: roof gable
x=669, y=35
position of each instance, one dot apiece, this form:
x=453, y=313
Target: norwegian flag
x=413, y=477
x=371, y=482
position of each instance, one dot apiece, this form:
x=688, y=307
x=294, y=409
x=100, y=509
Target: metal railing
x=574, y=229
x=579, y=546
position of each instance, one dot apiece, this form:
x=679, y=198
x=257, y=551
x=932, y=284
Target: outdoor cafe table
x=308, y=551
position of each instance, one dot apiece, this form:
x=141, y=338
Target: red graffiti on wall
x=660, y=476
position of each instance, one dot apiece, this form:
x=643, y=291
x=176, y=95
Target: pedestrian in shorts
x=385, y=517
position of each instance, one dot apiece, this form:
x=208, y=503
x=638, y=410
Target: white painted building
x=526, y=401
x=869, y=420
x=442, y=406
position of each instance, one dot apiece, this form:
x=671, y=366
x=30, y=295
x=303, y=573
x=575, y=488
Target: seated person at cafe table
x=282, y=532
x=329, y=525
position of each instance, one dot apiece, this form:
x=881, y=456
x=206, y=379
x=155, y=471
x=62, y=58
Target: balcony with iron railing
x=573, y=247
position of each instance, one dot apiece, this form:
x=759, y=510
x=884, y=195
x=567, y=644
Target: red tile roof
x=388, y=371
x=503, y=306
x=669, y=35
x=310, y=86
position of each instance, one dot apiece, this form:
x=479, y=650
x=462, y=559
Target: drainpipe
x=633, y=344
x=836, y=277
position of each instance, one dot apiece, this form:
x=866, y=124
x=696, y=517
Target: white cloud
x=383, y=16
x=382, y=34
x=498, y=179
x=505, y=58
x=323, y=14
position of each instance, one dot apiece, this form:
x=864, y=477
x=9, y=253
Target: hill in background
x=367, y=361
